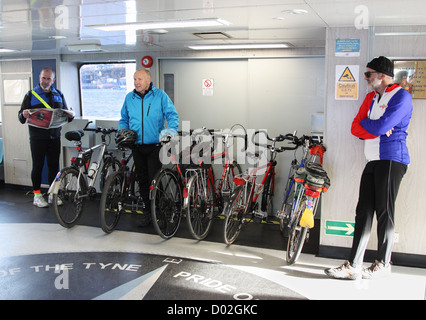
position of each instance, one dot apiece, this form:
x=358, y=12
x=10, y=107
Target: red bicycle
x=243, y=205
x=174, y=190
x=206, y=199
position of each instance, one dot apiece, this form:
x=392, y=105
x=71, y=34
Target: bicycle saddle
x=74, y=135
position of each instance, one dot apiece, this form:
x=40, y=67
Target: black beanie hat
x=381, y=64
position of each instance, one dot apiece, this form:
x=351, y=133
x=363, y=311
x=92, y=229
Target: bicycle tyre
x=287, y=204
x=233, y=170
x=267, y=196
x=69, y=193
x=234, y=214
x=110, y=166
x=297, y=236
x=200, y=206
x=166, y=203
x=111, y=203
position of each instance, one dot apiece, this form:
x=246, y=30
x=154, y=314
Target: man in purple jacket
x=382, y=122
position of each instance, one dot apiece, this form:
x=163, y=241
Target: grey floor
x=39, y=259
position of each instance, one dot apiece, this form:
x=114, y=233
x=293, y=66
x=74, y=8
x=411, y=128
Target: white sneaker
x=40, y=202
x=345, y=271
x=376, y=270
x=50, y=200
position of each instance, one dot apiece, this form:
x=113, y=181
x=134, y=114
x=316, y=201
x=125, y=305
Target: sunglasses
x=369, y=73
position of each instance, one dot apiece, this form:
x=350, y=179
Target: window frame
x=80, y=89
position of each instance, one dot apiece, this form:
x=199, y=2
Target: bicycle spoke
x=166, y=204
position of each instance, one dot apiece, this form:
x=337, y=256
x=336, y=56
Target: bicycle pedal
x=282, y=215
x=257, y=219
x=260, y=214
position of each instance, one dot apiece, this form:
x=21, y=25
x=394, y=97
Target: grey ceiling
x=48, y=26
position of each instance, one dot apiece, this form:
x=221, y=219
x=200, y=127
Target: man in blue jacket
x=382, y=122
x=144, y=111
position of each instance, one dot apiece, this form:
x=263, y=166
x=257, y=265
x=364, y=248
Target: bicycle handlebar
x=289, y=136
x=310, y=141
x=99, y=129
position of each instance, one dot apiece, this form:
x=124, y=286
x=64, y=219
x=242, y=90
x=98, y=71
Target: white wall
x=17, y=156
x=276, y=94
x=345, y=160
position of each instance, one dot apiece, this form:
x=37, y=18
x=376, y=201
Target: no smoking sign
x=208, y=85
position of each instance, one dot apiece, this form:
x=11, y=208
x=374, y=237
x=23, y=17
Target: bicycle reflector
x=239, y=181
x=313, y=193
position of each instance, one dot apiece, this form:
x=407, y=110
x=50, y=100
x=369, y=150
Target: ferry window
x=169, y=85
x=103, y=88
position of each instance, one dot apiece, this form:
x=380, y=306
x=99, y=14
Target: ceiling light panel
x=170, y=24
x=240, y=46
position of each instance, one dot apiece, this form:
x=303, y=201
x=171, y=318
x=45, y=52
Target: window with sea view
x=103, y=88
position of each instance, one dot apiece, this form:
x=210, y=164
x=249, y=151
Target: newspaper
x=48, y=118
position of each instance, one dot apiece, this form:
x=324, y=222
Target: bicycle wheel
x=110, y=166
x=200, y=205
x=111, y=204
x=267, y=196
x=166, y=203
x=70, y=192
x=233, y=170
x=234, y=214
x=288, y=198
x=297, y=235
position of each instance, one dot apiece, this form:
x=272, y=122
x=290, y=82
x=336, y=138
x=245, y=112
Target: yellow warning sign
x=347, y=76
x=347, y=91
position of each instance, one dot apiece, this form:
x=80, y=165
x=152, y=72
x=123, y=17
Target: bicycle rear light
x=239, y=181
x=313, y=193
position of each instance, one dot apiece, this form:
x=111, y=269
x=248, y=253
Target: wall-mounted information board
x=411, y=75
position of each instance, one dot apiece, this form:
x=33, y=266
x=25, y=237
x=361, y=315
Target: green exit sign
x=339, y=228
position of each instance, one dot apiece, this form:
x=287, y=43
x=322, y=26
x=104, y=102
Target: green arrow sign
x=339, y=228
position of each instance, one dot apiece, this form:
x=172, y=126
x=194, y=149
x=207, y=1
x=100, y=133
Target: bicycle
x=167, y=193
x=306, y=182
x=170, y=187
x=75, y=183
x=121, y=193
x=204, y=201
x=243, y=201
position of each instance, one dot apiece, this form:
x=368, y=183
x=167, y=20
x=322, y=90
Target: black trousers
x=147, y=164
x=42, y=149
x=379, y=187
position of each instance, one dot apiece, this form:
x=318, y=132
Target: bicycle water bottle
x=92, y=170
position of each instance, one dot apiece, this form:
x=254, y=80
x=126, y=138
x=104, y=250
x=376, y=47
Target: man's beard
x=45, y=88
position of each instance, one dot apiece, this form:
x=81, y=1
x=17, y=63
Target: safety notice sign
x=208, y=86
x=339, y=228
x=347, y=82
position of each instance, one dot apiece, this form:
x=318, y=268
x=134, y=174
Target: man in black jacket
x=45, y=143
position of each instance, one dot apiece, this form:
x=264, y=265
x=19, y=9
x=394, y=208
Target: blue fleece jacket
x=147, y=114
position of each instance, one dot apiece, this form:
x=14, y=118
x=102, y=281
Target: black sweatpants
x=42, y=149
x=147, y=162
x=379, y=187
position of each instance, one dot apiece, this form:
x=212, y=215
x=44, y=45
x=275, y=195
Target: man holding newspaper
x=42, y=109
